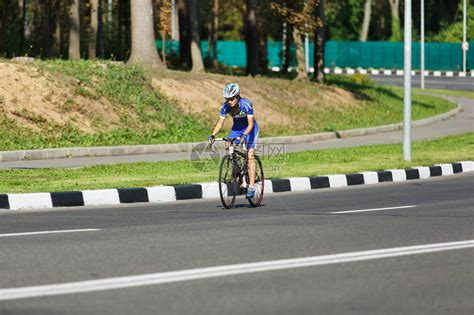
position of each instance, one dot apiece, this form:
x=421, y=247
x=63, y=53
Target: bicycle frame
x=239, y=173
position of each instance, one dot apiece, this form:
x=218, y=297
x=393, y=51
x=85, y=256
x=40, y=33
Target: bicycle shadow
x=241, y=206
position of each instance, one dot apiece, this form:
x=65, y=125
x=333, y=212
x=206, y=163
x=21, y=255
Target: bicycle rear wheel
x=227, y=183
x=259, y=184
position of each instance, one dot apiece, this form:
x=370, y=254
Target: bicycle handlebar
x=227, y=139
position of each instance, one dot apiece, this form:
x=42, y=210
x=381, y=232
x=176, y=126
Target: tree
x=251, y=39
x=184, y=33
x=23, y=22
x=94, y=6
x=74, y=32
x=302, y=20
x=123, y=28
x=196, y=55
x=165, y=24
x=454, y=32
x=100, y=30
x=300, y=56
x=395, y=22
x=214, y=28
x=143, y=35
x=366, y=22
x=3, y=23
x=319, y=43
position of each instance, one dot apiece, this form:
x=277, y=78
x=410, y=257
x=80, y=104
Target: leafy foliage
x=454, y=32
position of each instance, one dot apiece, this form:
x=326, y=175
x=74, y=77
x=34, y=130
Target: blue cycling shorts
x=253, y=137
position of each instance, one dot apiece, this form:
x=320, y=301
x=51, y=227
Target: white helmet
x=231, y=90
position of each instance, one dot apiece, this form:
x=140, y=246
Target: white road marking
x=222, y=271
x=375, y=209
x=48, y=232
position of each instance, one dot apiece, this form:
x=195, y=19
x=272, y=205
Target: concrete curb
x=43, y=154
x=107, y=197
x=389, y=72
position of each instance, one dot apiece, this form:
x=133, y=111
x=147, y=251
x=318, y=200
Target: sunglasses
x=230, y=99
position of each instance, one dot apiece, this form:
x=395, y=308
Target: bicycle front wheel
x=259, y=184
x=227, y=183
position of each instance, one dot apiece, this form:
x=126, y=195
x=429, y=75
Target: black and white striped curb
x=109, y=197
x=387, y=72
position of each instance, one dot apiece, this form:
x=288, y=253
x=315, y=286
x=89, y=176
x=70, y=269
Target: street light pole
x=422, y=44
x=407, y=84
x=464, y=43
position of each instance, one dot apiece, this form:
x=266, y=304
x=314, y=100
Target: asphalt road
x=431, y=82
x=149, y=239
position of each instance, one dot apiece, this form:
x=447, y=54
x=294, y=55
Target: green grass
x=467, y=94
x=380, y=105
x=309, y=163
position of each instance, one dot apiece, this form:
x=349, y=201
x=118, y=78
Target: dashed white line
x=222, y=271
x=368, y=210
x=48, y=232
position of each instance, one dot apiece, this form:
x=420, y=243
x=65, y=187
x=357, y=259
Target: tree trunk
x=100, y=30
x=121, y=26
x=263, y=53
x=366, y=23
x=209, y=41
x=396, y=32
x=57, y=30
x=214, y=38
x=196, y=55
x=74, y=32
x=144, y=50
x=251, y=39
x=2, y=29
x=94, y=27
x=319, y=44
x=109, y=11
x=184, y=33
x=23, y=28
x=301, y=66
x=47, y=43
x=163, y=46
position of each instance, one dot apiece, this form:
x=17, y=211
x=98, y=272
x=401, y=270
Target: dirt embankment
x=33, y=99
x=277, y=102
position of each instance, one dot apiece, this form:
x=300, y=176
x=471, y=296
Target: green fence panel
x=378, y=55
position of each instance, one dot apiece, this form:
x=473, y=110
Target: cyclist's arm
x=250, y=126
x=218, y=126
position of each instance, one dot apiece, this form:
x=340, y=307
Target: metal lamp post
x=464, y=42
x=422, y=44
x=407, y=84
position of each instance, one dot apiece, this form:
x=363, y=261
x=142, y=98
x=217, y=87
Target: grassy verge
x=309, y=163
x=380, y=105
x=467, y=94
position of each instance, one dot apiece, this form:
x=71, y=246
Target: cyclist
x=245, y=127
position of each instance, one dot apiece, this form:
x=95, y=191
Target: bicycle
x=233, y=175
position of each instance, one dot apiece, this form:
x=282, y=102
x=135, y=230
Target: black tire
x=259, y=184
x=227, y=183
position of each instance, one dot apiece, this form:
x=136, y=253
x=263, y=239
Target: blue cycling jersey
x=240, y=119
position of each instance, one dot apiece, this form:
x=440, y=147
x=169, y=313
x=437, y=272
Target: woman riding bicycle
x=245, y=127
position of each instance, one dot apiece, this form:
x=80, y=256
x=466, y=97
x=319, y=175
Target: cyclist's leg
x=236, y=134
x=251, y=147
